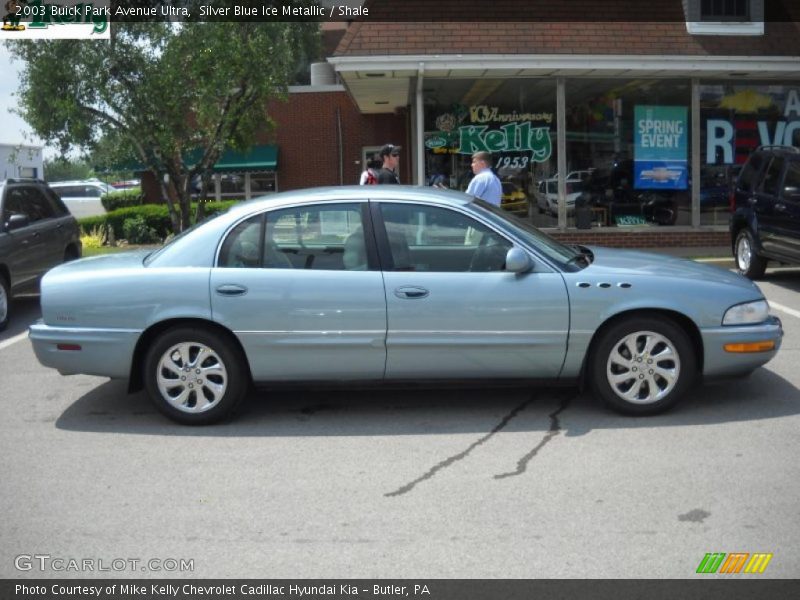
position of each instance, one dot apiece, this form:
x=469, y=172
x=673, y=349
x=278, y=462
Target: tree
x=162, y=90
x=64, y=168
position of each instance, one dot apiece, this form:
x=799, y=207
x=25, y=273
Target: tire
x=748, y=262
x=5, y=303
x=70, y=254
x=192, y=391
x=642, y=365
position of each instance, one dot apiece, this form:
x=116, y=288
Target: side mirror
x=518, y=261
x=17, y=221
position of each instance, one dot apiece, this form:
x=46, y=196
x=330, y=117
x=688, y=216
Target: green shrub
x=136, y=231
x=122, y=198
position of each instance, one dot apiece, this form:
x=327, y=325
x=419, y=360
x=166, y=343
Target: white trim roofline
x=567, y=62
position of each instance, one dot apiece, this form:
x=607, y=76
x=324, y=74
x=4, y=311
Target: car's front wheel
x=748, y=262
x=195, y=376
x=642, y=365
x=5, y=302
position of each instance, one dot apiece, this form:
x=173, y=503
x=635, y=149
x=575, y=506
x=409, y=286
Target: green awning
x=262, y=157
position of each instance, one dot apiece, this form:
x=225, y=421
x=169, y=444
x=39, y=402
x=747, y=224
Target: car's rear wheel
x=5, y=303
x=642, y=365
x=748, y=262
x=195, y=376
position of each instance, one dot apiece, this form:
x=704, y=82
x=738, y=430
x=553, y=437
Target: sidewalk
x=713, y=253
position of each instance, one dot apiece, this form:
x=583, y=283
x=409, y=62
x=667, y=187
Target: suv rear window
x=748, y=178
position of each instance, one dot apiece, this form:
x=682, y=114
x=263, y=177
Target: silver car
x=401, y=284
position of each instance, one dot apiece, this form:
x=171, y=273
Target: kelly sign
x=660, y=147
x=508, y=138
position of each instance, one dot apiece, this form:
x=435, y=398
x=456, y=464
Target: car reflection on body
x=400, y=284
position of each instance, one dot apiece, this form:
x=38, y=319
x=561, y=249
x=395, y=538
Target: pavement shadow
x=24, y=311
x=374, y=412
x=788, y=279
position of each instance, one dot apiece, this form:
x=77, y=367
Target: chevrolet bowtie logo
x=736, y=562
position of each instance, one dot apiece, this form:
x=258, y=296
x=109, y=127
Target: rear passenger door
x=301, y=289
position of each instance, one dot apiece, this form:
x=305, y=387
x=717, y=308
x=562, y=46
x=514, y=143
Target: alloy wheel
x=643, y=367
x=744, y=253
x=191, y=377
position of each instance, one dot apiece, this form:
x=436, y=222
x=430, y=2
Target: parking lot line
x=17, y=338
x=786, y=309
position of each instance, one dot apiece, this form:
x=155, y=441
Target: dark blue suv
x=765, y=201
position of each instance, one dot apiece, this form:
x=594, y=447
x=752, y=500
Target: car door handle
x=780, y=207
x=752, y=201
x=231, y=289
x=409, y=292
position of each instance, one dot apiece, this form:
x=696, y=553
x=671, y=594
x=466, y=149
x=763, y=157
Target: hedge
x=122, y=198
x=155, y=216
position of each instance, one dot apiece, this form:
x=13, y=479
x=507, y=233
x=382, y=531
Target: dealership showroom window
x=628, y=143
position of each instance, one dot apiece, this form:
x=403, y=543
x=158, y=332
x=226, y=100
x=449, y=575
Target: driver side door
x=453, y=311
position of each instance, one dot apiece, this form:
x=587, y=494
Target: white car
x=547, y=195
x=82, y=197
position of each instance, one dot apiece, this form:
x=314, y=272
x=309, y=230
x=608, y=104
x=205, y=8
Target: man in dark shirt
x=390, y=155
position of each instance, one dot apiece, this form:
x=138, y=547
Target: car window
x=749, y=175
x=770, y=183
x=319, y=237
x=67, y=191
x=242, y=247
x=791, y=182
x=58, y=206
x=26, y=200
x=431, y=238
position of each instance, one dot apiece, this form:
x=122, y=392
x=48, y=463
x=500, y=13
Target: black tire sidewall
x=229, y=354
x=609, y=339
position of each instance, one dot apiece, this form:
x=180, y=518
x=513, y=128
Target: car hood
x=634, y=263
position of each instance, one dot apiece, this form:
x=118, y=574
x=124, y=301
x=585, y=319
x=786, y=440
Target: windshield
x=566, y=257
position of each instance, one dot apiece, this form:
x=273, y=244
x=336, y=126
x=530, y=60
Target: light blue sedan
x=393, y=283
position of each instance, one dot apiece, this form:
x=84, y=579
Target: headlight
x=747, y=313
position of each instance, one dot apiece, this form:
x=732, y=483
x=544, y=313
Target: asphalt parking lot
x=494, y=483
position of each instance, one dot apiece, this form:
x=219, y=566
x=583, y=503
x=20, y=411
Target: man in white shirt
x=485, y=184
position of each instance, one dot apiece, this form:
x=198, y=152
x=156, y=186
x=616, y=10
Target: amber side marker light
x=68, y=347
x=751, y=347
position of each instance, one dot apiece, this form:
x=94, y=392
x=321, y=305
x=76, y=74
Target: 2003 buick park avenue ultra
x=392, y=283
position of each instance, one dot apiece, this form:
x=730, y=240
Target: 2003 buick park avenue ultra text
x=393, y=283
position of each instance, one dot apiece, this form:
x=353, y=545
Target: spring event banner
x=660, y=147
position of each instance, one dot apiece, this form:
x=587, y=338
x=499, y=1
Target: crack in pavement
x=555, y=429
x=449, y=461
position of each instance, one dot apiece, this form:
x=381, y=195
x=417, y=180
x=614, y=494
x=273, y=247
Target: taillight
x=569, y=188
x=732, y=200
